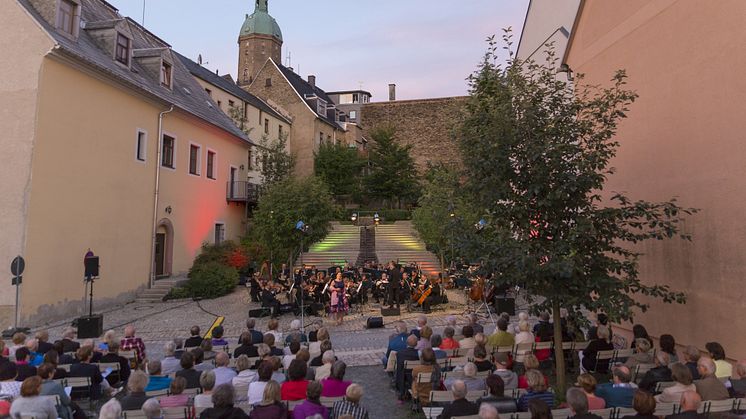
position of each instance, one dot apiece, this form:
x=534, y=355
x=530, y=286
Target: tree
x=392, y=176
x=537, y=155
x=282, y=206
x=339, y=167
x=277, y=163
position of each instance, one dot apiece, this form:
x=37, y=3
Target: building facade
x=113, y=147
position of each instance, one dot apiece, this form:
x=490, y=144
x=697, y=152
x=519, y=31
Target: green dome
x=261, y=23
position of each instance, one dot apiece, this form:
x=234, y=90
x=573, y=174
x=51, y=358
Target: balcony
x=242, y=192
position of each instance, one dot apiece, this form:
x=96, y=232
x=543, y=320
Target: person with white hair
x=488, y=411
x=522, y=337
x=661, y=373
x=473, y=383
x=522, y=317
x=68, y=344
x=738, y=382
x=152, y=409
x=709, y=386
x=328, y=358
x=130, y=342
x=459, y=406
x=295, y=333
x=473, y=321
x=170, y=364
x=578, y=402
x=350, y=405
x=223, y=373
x=110, y=410
x=421, y=322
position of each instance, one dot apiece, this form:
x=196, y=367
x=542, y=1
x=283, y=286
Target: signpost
x=17, y=266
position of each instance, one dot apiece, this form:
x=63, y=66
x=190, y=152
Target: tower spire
x=262, y=6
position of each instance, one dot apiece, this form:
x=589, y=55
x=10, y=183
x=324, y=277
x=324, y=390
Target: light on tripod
x=376, y=218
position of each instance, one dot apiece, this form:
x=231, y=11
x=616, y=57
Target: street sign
x=17, y=266
x=17, y=280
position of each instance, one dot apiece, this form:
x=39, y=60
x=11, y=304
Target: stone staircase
x=342, y=244
x=159, y=290
x=399, y=241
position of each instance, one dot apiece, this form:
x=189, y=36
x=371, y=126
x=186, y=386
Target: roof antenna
x=288, y=60
x=143, y=13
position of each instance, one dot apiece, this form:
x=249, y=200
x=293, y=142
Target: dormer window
x=67, y=15
x=166, y=72
x=122, y=52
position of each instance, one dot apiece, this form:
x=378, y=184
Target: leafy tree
x=392, y=176
x=537, y=155
x=277, y=162
x=339, y=167
x=285, y=203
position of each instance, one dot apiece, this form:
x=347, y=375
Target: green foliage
x=216, y=253
x=276, y=163
x=339, y=167
x=392, y=174
x=536, y=155
x=284, y=204
x=211, y=280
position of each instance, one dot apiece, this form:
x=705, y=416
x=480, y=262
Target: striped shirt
x=344, y=407
x=545, y=396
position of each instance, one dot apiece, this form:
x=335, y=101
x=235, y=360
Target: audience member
x=112, y=356
x=223, y=374
x=515, y=329
x=620, y=391
x=195, y=339
x=295, y=334
x=273, y=328
x=53, y=358
x=208, y=354
x=176, y=396
x=222, y=401
x=435, y=342
x=642, y=355
x=245, y=375
x=271, y=406
x=524, y=336
x=350, y=407
x=84, y=368
x=459, y=406
x=424, y=338
x=246, y=346
x=200, y=363
x=480, y=359
x=207, y=382
x=644, y=404
x=397, y=342
x=691, y=356
x=305, y=356
x=334, y=385
x=539, y=409
x=738, y=384
x=328, y=358
x=278, y=375
x=537, y=388
x=256, y=336
x=473, y=321
x=156, y=379
x=9, y=387
x=468, y=341
x=709, y=387
x=530, y=363
x=510, y=379
x=683, y=378
x=25, y=370
x=170, y=364
x=68, y=344
x=152, y=409
x=42, y=337
x=135, y=396
x=295, y=387
x=269, y=340
x=63, y=358
x=31, y=404
x=488, y=411
x=578, y=403
x=639, y=332
x=319, y=360
x=315, y=346
x=501, y=337
x=428, y=365
x=723, y=368
x=601, y=343
x=401, y=378
x=690, y=402
x=18, y=340
x=588, y=383
x=111, y=410
x=497, y=397
x=660, y=373
x=65, y=409
x=188, y=372
x=448, y=341
x=602, y=320
x=421, y=322
x=312, y=405
x=256, y=388
x=133, y=343
x=217, y=336
x=668, y=345
x=294, y=347
x=34, y=358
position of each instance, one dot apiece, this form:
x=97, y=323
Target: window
x=321, y=107
x=210, y=164
x=353, y=115
x=194, y=157
x=141, y=146
x=66, y=17
x=209, y=92
x=122, y=53
x=219, y=233
x=279, y=131
x=166, y=74
x=268, y=83
x=355, y=98
x=231, y=104
x=167, y=159
x=250, y=166
x=220, y=104
x=365, y=98
x=266, y=126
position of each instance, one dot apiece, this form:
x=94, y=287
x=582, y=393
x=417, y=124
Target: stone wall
x=427, y=124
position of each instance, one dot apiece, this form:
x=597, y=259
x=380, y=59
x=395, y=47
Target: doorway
x=160, y=255
x=164, y=249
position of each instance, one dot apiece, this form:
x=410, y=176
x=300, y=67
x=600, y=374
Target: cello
x=477, y=290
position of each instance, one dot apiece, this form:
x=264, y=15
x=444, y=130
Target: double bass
x=476, y=293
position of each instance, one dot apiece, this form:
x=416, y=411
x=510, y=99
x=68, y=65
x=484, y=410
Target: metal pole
x=18, y=298
x=300, y=285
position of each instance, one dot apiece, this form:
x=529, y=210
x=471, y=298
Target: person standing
x=395, y=278
x=339, y=304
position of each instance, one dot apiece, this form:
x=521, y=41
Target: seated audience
x=501, y=337
x=66, y=409
x=208, y=354
x=112, y=356
x=350, y=407
x=601, y=343
x=334, y=385
x=111, y=410
x=312, y=405
x=207, y=382
x=537, y=388
x=157, y=381
x=25, y=370
x=53, y=358
x=723, y=368
x=9, y=387
x=246, y=346
x=176, y=396
x=188, y=372
x=294, y=347
x=295, y=387
x=217, y=337
x=487, y=411
x=690, y=402
x=42, y=337
x=223, y=374
x=578, y=403
x=642, y=355
x=68, y=344
x=135, y=396
x=510, y=379
x=328, y=358
x=31, y=404
x=265, y=354
x=34, y=358
x=459, y=406
x=421, y=322
x=709, y=386
x=530, y=362
x=473, y=321
x=195, y=339
x=256, y=336
x=497, y=397
x=152, y=409
x=18, y=340
x=539, y=409
x=620, y=391
x=271, y=406
x=256, y=388
x=269, y=340
x=480, y=359
x=319, y=360
x=668, y=345
x=133, y=343
x=200, y=363
x=397, y=342
x=424, y=339
x=315, y=346
x=660, y=373
x=245, y=375
x=683, y=378
x=448, y=341
x=401, y=377
x=691, y=356
x=644, y=404
x=295, y=334
x=273, y=328
x=468, y=341
x=429, y=365
x=84, y=368
x=588, y=383
x=63, y=358
x=222, y=401
x=170, y=363
x=738, y=382
x=435, y=342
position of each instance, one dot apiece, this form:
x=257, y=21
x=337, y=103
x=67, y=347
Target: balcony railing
x=242, y=192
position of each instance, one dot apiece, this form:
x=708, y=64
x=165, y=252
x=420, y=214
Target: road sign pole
x=18, y=299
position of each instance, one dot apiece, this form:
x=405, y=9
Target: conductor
x=394, y=275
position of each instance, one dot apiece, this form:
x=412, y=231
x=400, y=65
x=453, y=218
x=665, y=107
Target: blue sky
x=426, y=47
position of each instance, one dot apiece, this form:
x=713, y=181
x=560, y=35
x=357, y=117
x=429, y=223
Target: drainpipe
x=156, y=193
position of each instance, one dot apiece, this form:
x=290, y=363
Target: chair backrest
x=241, y=392
x=329, y=401
x=624, y=411
x=54, y=398
x=484, y=374
x=568, y=346
x=443, y=362
x=607, y=413
x=128, y=354
x=624, y=353
x=453, y=374
x=543, y=345
x=432, y=412
x=475, y=395
x=665, y=409
x=424, y=377
x=176, y=412
x=579, y=346
x=408, y=365
x=292, y=403
x=504, y=349
x=61, y=381
x=76, y=382
x=451, y=352
x=465, y=417
x=727, y=405
x=65, y=367
x=523, y=348
x=603, y=355
x=459, y=361
x=662, y=385
x=641, y=370
x=157, y=393
x=223, y=348
x=195, y=391
x=561, y=413
x=441, y=396
x=515, y=393
x=103, y=366
x=133, y=414
x=520, y=415
x=391, y=364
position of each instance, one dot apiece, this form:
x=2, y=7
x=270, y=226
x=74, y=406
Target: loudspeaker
x=390, y=311
x=91, y=266
x=506, y=305
x=90, y=326
x=374, y=323
x=260, y=312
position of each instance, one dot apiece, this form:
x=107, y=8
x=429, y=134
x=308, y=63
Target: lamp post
x=353, y=218
x=453, y=217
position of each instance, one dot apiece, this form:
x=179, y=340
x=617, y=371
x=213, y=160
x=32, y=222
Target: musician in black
x=395, y=279
x=270, y=301
x=256, y=288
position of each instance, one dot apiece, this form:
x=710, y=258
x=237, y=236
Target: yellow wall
x=89, y=191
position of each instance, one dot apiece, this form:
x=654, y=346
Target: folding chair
x=720, y=406
x=607, y=413
x=640, y=371
x=157, y=393
x=475, y=395
x=241, y=392
x=432, y=412
x=176, y=412
x=624, y=411
x=391, y=364
x=561, y=413
x=665, y=409
x=621, y=355
x=441, y=397
x=133, y=414
x=520, y=415
x=604, y=356
x=662, y=385
x=292, y=403
x=329, y=401
x=81, y=389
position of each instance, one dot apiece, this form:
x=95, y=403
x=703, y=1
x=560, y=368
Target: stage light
x=354, y=217
x=301, y=226
x=481, y=224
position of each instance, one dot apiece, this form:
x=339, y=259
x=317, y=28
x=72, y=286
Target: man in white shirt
x=223, y=374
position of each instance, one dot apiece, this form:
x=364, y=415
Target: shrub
x=211, y=280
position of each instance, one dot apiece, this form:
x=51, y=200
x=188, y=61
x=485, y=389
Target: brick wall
x=426, y=124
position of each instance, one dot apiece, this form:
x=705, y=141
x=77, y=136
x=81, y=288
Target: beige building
x=110, y=145
x=683, y=138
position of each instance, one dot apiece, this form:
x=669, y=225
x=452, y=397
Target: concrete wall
x=22, y=46
x=543, y=21
x=684, y=138
x=427, y=124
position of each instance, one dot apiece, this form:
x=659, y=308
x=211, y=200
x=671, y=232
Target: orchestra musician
x=339, y=304
x=269, y=290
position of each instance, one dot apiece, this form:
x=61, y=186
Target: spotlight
x=377, y=218
x=301, y=226
x=354, y=217
x=480, y=225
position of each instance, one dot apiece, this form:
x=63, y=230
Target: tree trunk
x=559, y=354
x=442, y=260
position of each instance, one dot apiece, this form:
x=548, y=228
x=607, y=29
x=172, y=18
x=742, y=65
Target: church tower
x=260, y=39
